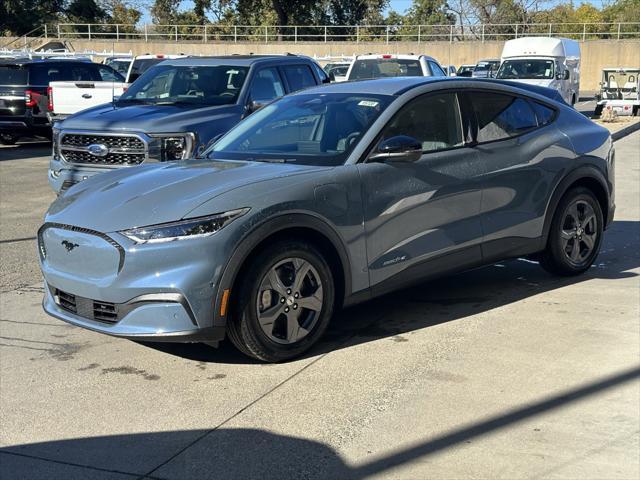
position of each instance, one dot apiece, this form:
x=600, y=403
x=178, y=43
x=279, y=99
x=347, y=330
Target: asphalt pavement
x=500, y=372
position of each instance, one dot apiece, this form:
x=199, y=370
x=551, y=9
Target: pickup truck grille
x=116, y=150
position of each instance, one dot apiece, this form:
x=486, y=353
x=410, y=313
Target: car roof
x=400, y=85
x=33, y=61
x=400, y=56
x=235, y=60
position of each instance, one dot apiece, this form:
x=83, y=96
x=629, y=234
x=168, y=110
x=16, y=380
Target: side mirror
x=254, y=105
x=401, y=148
x=566, y=75
x=330, y=78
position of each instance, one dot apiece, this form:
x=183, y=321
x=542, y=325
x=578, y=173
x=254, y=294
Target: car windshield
x=385, y=67
x=481, y=66
x=527, y=69
x=120, y=66
x=13, y=75
x=319, y=129
x=178, y=84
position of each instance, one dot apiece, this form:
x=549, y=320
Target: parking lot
x=500, y=372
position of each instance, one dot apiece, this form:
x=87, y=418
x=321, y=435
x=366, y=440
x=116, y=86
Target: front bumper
x=63, y=176
x=158, y=320
x=109, y=284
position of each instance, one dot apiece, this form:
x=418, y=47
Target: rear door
x=522, y=153
x=13, y=83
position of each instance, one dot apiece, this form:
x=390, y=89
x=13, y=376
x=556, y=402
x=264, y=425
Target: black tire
x=558, y=258
x=9, y=138
x=244, y=328
x=598, y=111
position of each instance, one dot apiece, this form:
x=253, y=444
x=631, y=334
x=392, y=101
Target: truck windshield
x=526, y=69
x=385, y=67
x=318, y=129
x=177, y=84
x=624, y=80
x=13, y=75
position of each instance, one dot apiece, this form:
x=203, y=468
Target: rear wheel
x=598, y=111
x=285, y=302
x=575, y=234
x=9, y=138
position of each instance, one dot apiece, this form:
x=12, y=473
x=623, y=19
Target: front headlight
x=169, y=147
x=55, y=147
x=184, y=229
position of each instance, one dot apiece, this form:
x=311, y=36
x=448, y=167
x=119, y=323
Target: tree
x=85, y=11
x=165, y=12
x=18, y=17
x=429, y=12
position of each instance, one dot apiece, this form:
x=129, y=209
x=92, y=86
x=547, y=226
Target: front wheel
x=575, y=234
x=9, y=138
x=285, y=302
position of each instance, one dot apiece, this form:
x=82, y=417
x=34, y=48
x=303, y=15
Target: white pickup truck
x=67, y=98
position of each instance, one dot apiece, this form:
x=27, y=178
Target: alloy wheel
x=289, y=300
x=579, y=232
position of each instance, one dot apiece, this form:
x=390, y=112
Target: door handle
x=86, y=95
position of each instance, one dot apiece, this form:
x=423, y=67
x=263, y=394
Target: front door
x=422, y=217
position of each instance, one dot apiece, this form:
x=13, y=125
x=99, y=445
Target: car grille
x=104, y=312
x=123, y=150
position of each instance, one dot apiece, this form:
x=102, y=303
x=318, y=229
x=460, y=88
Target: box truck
x=544, y=61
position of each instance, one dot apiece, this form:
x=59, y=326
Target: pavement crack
x=71, y=464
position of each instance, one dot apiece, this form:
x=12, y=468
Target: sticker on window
x=368, y=103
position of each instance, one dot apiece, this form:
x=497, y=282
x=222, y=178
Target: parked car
x=379, y=66
x=325, y=198
x=486, y=69
x=67, y=98
x=619, y=91
x=173, y=111
x=119, y=64
x=338, y=73
x=142, y=63
x=25, y=101
x=450, y=70
x=465, y=70
x=545, y=61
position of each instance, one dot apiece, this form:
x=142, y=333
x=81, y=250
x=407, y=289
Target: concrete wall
x=596, y=54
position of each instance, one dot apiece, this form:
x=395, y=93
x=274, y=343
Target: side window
x=266, y=86
x=436, y=71
x=322, y=75
x=544, y=114
x=433, y=120
x=501, y=116
x=44, y=73
x=299, y=77
x=82, y=73
x=109, y=75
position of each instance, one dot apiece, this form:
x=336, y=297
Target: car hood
x=146, y=118
x=159, y=193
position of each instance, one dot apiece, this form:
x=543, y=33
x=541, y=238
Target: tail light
x=387, y=56
x=49, y=99
x=30, y=98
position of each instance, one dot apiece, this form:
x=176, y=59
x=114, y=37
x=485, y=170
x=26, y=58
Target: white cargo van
x=544, y=61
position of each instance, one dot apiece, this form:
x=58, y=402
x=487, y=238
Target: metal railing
x=338, y=33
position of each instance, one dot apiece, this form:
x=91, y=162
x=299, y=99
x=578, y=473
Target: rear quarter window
x=501, y=116
x=544, y=114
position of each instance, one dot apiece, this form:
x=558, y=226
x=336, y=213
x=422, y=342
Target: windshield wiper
x=271, y=160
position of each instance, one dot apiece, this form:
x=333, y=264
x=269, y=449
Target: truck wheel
x=598, y=111
x=285, y=302
x=8, y=138
x=575, y=234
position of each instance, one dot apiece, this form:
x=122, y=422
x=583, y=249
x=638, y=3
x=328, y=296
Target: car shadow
x=29, y=148
x=242, y=453
x=447, y=299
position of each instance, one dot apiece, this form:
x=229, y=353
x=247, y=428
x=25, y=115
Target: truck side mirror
x=566, y=75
